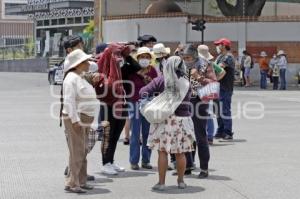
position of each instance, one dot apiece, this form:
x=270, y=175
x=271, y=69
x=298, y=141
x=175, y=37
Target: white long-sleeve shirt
x=247, y=62
x=282, y=62
x=79, y=97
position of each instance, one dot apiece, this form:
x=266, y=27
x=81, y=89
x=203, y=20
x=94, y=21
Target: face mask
x=121, y=62
x=93, y=67
x=218, y=48
x=144, y=63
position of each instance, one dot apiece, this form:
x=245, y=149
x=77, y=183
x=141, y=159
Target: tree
x=241, y=7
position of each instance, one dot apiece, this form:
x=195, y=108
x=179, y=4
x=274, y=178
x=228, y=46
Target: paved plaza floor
x=263, y=162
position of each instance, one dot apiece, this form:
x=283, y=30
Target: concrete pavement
x=261, y=163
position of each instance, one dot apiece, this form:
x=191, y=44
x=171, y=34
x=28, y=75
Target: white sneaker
x=117, y=168
x=109, y=170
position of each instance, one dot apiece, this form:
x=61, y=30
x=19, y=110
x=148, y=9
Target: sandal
x=74, y=190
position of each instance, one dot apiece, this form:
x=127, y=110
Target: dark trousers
x=282, y=79
x=275, y=83
x=110, y=141
x=200, y=117
x=244, y=79
x=224, y=113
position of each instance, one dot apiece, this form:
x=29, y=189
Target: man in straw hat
x=282, y=64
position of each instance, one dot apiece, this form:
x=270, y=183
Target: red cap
x=223, y=41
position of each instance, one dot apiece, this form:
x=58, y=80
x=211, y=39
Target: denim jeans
x=282, y=79
x=138, y=124
x=224, y=113
x=263, y=79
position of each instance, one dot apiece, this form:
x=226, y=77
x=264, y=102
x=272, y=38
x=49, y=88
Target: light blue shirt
x=282, y=62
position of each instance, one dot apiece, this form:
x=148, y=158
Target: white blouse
x=79, y=97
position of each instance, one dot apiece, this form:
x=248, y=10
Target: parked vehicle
x=56, y=74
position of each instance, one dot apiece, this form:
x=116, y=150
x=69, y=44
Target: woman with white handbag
x=171, y=129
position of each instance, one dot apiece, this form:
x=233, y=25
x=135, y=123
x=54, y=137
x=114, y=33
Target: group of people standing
x=274, y=68
x=127, y=79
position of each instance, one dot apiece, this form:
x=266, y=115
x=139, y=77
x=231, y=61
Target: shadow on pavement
x=217, y=145
x=211, y=177
x=233, y=141
x=130, y=174
x=103, y=180
x=175, y=190
x=98, y=191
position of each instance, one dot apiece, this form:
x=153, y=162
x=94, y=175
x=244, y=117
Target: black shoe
x=210, y=142
x=146, y=166
x=228, y=137
x=135, y=167
x=90, y=178
x=220, y=135
x=203, y=174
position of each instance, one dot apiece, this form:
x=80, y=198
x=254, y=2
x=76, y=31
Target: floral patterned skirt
x=175, y=135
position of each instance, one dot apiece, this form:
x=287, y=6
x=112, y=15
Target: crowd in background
x=124, y=84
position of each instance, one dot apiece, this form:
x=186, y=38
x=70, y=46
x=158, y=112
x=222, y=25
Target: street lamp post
x=202, y=31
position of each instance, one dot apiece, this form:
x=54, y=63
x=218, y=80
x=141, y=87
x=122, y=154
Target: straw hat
x=204, y=52
x=160, y=50
x=75, y=58
x=263, y=54
x=281, y=52
x=143, y=50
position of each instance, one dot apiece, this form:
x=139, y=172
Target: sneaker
x=135, y=167
x=159, y=187
x=117, y=168
x=146, y=166
x=109, y=170
x=181, y=185
x=228, y=137
x=203, y=174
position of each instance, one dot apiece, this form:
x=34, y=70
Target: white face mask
x=218, y=48
x=93, y=67
x=144, y=63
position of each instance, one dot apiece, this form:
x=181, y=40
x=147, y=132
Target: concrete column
x=242, y=37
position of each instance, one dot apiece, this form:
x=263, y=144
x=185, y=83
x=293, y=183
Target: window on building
x=40, y=23
x=12, y=9
x=61, y=21
x=46, y=23
x=70, y=21
x=78, y=20
x=86, y=19
x=54, y=22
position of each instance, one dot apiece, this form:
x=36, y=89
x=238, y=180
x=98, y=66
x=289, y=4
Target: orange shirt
x=263, y=64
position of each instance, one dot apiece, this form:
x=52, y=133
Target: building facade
x=56, y=19
x=15, y=28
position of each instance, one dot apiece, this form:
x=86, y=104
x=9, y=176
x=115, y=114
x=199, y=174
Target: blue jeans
x=224, y=113
x=138, y=124
x=263, y=79
x=282, y=79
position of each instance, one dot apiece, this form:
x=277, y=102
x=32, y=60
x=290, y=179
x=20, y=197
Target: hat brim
x=208, y=57
x=74, y=65
x=139, y=54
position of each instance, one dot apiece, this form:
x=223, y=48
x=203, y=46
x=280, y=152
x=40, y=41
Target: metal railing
x=16, y=52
